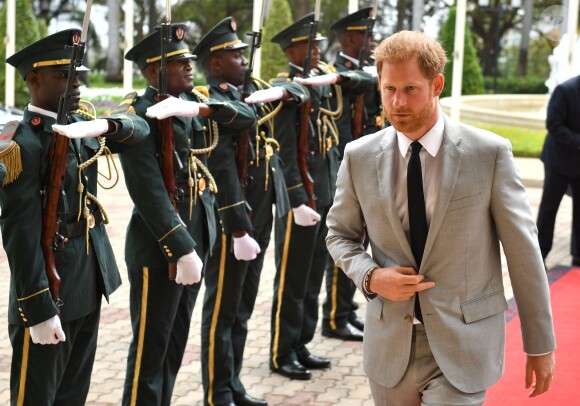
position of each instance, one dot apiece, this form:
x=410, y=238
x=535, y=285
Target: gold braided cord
x=271, y=114
x=261, y=84
x=338, y=111
x=201, y=97
x=109, y=157
x=212, y=185
x=92, y=160
x=214, y=136
x=100, y=206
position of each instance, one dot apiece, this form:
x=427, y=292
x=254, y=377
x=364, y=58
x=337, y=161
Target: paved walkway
x=343, y=384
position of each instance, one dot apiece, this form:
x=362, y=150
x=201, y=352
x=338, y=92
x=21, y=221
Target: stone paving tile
x=343, y=384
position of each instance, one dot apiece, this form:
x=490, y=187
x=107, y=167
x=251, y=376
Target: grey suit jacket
x=481, y=201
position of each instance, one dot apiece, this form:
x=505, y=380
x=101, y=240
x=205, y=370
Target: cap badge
x=348, y=64
x=76, y=37
x=234, y=25
x=179, y=33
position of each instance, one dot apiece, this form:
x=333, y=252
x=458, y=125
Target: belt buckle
x=91, y=220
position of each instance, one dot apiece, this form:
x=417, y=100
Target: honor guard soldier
x=339, y=317
x=58, y=373
x=245, y=207
x=301, y=255
x=162, y=234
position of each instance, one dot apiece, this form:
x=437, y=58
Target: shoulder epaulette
x=10, y=152
x=126, y=105
x=203, y=90
x=281, y=77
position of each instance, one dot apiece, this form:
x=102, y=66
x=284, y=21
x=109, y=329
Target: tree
x=472, y=82
x=113, y=63
x=273, y=59
x=35, y=30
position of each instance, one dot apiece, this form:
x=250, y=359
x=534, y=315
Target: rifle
x=304, y=129
x=165, y=126
x=244, y=139
x=53, y=212
x=359, y=104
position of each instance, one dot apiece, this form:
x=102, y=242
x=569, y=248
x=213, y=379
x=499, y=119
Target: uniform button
x=24, y=319
x=312, y=110
x=20, y=308
x=165, y=246
x=273, y=169
x=169, y=254
x=409, y=318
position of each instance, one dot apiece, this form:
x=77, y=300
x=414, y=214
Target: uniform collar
x=44, y=112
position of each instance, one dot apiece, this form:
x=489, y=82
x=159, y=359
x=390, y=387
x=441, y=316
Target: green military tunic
x=158, y=235
x=339, y=307
x=301, y=255
x=232, y=285
x=84, y=259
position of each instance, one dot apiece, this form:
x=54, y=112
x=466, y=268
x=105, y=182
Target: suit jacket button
x=409, y=318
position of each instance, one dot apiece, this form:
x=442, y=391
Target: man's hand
x=83, y=129
x=398, y=283
x=542, y=367
x=189, y=269
x=304, y=216
x=173, y=106
x=48, y=332
x=266, y=95
x=328, y=79
x=246, y=248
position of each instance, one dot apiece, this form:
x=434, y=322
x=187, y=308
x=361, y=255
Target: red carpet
x=510, y=390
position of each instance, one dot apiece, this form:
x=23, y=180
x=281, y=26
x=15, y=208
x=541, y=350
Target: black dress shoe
x=293, y=370
x=314, y=361
x=357, y=322
x=248, y=400
x=348, y=332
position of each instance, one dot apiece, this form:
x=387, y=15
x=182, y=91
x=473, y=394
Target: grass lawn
x=525, y=142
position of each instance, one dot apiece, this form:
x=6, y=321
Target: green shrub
x=523, y=85
x=273, y=59
x=472, y=81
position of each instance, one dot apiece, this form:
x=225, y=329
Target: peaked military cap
x=297, y=32
x=357, y=21
x=54, y=52
x=148, y=50
x=222, y=37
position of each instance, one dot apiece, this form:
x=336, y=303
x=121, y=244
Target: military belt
x=78, y=228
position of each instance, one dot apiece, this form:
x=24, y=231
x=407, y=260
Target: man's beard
x=415, y=121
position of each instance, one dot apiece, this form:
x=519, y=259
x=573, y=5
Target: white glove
x=371, y=70
x=189, y=269
x=328, y=79
x=246, y=248
x=304, y=216
x=265, y=95
x=173, y=106
x=82, y=129
x=47, y=332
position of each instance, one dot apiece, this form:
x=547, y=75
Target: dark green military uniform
x=161, y=309
x=60, y=373
x=339, y=306
x=232, y=285
x=3, y=174
x=301, y=254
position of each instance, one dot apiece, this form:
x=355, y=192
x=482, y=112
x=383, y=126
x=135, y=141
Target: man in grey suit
x=435, y=331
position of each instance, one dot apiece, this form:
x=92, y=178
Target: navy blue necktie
x=418, y=228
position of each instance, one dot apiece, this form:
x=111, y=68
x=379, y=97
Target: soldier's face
x=47, y=85
x=297, y=53
x=179, y=77
x=231, y=66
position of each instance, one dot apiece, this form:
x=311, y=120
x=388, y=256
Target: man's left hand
x=542, y=367
x=83, y=129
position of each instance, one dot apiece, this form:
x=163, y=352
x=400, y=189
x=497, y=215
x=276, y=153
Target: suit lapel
x=452, y=157
x=385, y=163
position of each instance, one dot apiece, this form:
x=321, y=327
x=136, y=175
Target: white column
x=352, y=6
x=128, y=65
x=10, y=41
x=458, y=59
x=572, y=36
x=256, y=11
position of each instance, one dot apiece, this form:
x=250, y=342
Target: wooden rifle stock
x=357, y=117
x=50, y=216
x=165, y=127
x=303, y=150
